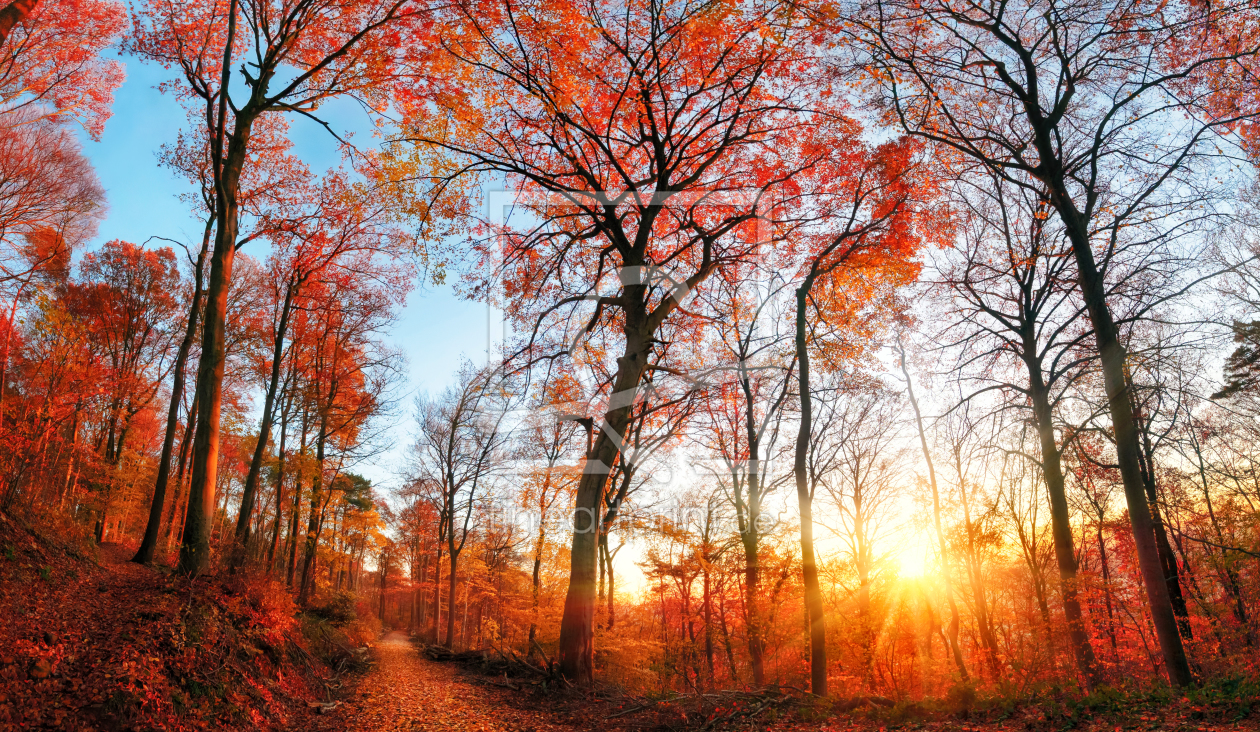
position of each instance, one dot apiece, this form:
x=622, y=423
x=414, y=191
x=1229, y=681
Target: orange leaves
x=51, y=63
x=51, y=198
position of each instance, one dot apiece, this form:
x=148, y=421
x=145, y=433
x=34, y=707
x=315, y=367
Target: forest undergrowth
x=91, y=641
x=530, y=684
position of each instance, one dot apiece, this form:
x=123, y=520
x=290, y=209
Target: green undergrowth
x=1219, y=701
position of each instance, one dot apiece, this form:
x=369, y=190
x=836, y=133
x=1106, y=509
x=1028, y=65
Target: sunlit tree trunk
x=805, y=500
x=194, y=554
x=244, y=519
x=577, y=641
x=156, y=509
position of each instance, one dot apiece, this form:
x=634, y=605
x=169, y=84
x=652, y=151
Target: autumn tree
x=647, y=156
x=329, y=226
x=301, y=53
x=921, y=430
x=346, y=382
x=276, y=178
x=1014, y=306
x=50, y=203
x=462, y=442
x=51, y=66
x=1112, y=111
x=857, y=232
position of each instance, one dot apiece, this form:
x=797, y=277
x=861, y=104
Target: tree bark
x=708, y=627
x=805, y=499
x=536, y=583
x=1060, y=525
x=296, y=514
x=1112, y=357
x=244, y=519
x=148, y=546
x=577, y=626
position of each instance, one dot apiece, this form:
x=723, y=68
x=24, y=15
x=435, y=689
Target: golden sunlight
x=913, y=557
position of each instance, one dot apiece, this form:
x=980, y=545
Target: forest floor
x=92, y=641
x=408, y=691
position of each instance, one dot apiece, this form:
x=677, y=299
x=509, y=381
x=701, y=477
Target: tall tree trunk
x=311, y=544
x=805, y=499
x=577, y=625
x=384, y=575
x=175, y=524
x=437, y=590
x=280, y=466
x=1112, y=357
x=152, y=530
x=866, y=625
x=453, y=557
x=946, y=574
x=750, y=537
x=244, y=520
x=612, y=591
x=194, y=554
x=1167, y=557
x=1061, y=526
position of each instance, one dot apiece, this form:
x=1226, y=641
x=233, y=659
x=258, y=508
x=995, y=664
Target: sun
x=912, y=558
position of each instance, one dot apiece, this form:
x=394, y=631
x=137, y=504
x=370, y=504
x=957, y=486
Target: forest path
x=406, y=691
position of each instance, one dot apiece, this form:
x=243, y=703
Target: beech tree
x=648, y=157
x=1014, y=300
x=857, y=232
x=1108, y=109
x=335, y=50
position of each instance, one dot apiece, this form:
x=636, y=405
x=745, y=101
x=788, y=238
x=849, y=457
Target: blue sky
x=436, y=329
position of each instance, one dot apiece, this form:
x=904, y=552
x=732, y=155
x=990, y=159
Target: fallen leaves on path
x=409, y=692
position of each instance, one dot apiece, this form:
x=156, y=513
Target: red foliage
x=52, y=61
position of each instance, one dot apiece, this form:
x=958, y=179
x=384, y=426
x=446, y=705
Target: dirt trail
x=407, y=691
